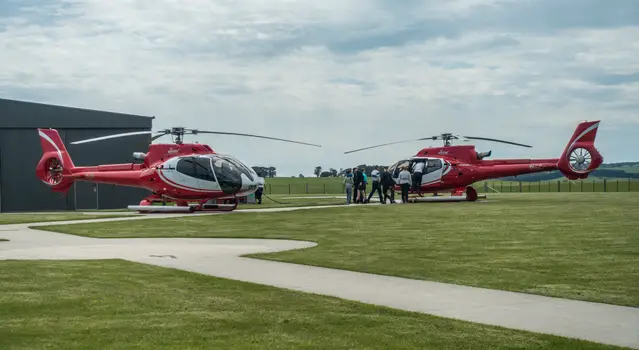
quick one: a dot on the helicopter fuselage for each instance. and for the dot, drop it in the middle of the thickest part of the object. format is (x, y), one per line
(458, 167)
(181, 172)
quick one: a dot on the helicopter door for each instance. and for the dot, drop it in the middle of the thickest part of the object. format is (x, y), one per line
(204, 174)
(432, 171)
(188, 174)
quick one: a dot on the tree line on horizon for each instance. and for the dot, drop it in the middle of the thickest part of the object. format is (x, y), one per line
(603, 171)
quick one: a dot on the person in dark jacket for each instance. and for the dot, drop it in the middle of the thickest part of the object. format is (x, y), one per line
(357, 181)
(388, 184)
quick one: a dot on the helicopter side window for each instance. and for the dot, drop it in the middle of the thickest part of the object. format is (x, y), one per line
(186, 167)
(199, 168)
(203, 169)
(433, 165)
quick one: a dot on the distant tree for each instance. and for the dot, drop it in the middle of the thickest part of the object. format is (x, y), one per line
(300, 176)
(261, 171)
(333, 172)
(318, 171)
(325, 174)
(265, 172)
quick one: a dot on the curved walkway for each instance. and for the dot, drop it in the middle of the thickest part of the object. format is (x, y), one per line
(610, 324)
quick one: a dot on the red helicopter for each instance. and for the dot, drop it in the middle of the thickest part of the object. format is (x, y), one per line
(178, 172)
(456, 168)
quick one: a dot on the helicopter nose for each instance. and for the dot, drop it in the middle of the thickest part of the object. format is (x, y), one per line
(248, 186)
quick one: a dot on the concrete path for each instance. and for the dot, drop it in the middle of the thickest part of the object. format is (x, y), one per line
(602, 323)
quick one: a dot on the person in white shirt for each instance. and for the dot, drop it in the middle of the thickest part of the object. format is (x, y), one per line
(375, 177)
(404, 181)
(418, 169)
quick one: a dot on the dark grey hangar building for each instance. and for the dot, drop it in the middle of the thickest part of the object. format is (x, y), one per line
(20, 152)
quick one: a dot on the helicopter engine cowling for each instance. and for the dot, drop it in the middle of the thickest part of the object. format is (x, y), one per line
(482, 155)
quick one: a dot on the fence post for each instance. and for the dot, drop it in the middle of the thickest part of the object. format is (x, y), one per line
(520, 190)
(289, 188)
(570, 186)
(485, 187)
(604, 185)
(558, 186)
(593, 185)
(324, 188)
(270, 190)
(307, 188)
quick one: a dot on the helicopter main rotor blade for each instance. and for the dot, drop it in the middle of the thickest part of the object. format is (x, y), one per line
(158, 136)
(385, 144)
(251, 135)
(495, 140)
(112, 136)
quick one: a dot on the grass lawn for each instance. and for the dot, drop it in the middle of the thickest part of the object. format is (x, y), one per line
(119, 304)
(581, 246)
(291, 201)
(7, 219)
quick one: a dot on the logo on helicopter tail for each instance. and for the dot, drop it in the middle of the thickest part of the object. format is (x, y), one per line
(442, 152)
(173, 150)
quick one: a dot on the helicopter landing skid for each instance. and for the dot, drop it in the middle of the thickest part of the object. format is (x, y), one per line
(463, 194)
(147, 206)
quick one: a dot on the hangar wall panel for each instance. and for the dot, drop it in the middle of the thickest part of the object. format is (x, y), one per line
(20, 151)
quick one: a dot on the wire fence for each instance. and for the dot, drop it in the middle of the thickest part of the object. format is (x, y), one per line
(607, 185)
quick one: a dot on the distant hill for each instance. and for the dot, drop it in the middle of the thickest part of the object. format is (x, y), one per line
(625, 170)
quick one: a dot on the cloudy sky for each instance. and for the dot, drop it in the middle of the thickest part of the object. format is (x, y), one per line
(342, 73)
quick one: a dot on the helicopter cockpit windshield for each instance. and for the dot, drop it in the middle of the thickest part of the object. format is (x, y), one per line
(228, 176)
(397, 167)
(228, 171)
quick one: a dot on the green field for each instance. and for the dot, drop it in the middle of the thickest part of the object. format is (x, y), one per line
(628, 169)
(581, 246)
(328, 185)
(123, 305)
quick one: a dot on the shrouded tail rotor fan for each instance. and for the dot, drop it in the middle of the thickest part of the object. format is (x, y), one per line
(53, 171)
(580, 159)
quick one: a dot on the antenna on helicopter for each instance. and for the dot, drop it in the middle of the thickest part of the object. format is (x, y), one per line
(178, 135)
(446, 137)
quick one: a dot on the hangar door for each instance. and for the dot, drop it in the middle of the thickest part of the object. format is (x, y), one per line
(0, 180)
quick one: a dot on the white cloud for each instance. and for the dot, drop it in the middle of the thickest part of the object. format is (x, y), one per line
(345, 74)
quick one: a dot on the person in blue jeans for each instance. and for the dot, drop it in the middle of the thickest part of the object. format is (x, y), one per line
(348, 185)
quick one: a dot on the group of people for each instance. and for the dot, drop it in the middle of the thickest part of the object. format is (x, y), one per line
(355, 181)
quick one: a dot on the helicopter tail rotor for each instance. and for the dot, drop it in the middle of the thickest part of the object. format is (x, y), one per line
(55, 165)
(580, 157)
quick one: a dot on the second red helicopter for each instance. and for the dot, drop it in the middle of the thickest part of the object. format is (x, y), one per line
(456, 168)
